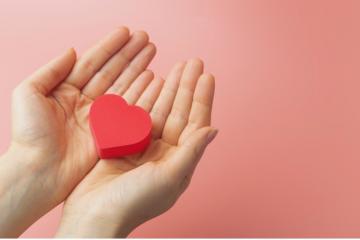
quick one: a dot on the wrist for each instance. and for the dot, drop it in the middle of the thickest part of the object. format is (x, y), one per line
(89, 224)
(22, 192)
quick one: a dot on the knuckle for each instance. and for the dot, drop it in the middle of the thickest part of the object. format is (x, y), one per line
(134, 69)
(88, 66)
(136, 94)
(124, 58)
(104, 75)
(107, 53)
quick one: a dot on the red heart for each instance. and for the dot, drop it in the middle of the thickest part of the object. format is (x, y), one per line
(118, 129)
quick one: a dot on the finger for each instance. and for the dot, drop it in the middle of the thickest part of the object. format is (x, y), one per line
(151, 93)
(97, 56)
(49, 76)
(106, 76)
(163, 104)
(179, 114)
(183, 163)
(137, 66)
(138, 87)
(200, 114)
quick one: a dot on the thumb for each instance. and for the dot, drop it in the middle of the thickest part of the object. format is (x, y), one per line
(189, 153)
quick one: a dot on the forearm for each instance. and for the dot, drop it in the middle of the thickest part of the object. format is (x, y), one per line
(23, 197)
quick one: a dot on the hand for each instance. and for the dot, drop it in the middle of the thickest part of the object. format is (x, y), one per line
(120, 194)
(50, 124)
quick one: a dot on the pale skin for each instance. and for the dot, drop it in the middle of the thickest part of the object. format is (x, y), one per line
(52, 156)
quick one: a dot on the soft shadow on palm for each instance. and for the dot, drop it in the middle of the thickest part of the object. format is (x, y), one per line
(157, 151)
(110, 170)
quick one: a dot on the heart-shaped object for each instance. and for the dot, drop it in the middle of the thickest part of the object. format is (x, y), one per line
(118, 129)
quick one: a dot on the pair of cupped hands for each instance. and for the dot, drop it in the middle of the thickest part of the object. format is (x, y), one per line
(52, 156)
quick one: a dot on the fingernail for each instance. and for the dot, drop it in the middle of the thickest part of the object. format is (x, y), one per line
(211, 135)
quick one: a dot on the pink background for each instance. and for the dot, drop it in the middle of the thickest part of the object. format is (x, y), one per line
(286, 161)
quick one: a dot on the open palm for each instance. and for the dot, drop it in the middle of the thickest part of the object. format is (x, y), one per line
(139, 187)
(50, 108)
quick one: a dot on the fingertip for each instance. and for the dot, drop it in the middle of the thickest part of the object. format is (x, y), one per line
(68, 58)
(178, 67)
(196, 61)
(208, 76)
(180, 64)
(148, 73)
(152, 46)
(150, 49)
(124, 29)
(120, 34)
(208, 79)
(141, 35)
(72, 53)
